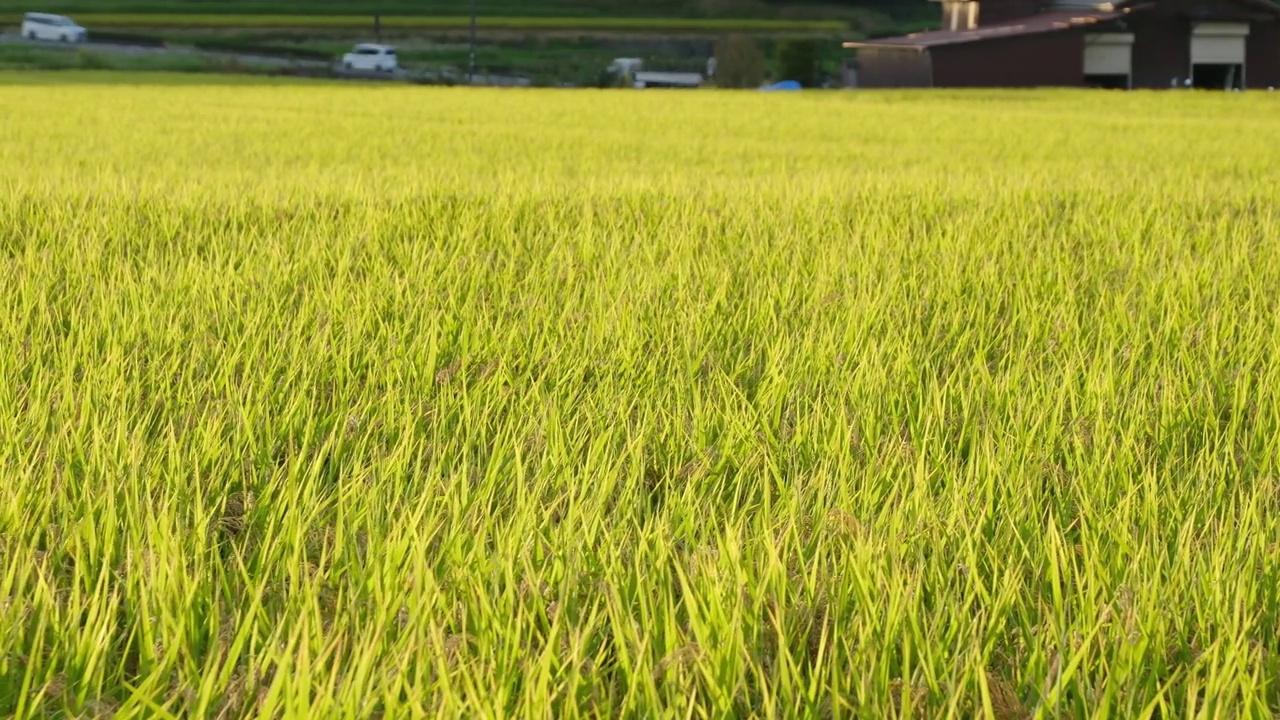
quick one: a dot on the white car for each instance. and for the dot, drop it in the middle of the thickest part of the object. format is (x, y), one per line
(43, 26)
(367, 56)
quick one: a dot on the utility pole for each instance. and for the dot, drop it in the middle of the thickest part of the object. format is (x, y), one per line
(471, 68)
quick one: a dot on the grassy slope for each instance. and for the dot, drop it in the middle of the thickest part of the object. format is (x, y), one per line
(559, 13)
(25, 57)
(555, 8)
(524, 404)
(407, 22)
(551, 8)
(143, 77)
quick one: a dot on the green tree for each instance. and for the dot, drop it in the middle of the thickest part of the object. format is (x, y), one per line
(797, 60)
(739, 63)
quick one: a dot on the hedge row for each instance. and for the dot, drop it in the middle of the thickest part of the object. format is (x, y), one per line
(243, 48)
(119, 38)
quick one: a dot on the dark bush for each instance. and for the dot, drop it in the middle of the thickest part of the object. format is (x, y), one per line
(243, 48)
(739, 63)
(797, 60)
(610, 79)
(117, 38)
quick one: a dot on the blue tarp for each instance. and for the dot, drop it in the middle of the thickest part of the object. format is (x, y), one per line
(784, 85)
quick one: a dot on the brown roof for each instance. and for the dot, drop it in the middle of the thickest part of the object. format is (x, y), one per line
(1034, 25)
(1263, 5)
(1268, 5)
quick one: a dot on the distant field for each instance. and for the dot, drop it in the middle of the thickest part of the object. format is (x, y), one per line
(341, 401)
(402, 22)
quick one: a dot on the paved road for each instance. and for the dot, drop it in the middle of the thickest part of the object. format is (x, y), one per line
(137, 50)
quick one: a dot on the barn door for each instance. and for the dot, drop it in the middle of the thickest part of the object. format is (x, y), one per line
(1108, 60)
(1218, 55)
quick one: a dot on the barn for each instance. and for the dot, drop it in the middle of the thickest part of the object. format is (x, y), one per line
(1212, 44)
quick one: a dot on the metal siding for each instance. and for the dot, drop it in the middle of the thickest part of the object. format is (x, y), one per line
(1217, 50)
(994, 12)
(1221, 29)
(1108, 54)
(1049, 60)
(1263, 66)
(1161, 51)
(1218, 43)
(893, 67)
(1200, 9)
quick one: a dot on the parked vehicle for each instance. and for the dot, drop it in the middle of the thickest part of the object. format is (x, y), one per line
(43, 26)
(632, 70)
(370, 57)
(626, 66)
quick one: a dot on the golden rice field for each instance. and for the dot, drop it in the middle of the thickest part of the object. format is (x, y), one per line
(325, 400)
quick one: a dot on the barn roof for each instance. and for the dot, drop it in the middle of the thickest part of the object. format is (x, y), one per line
(1034, 25)
(1270, 6)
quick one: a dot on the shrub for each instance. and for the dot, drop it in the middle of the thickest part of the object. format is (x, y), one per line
(797, 60)
(118, 38)
(739, 63)
(610, 78)
(243, 48)
(92, 61)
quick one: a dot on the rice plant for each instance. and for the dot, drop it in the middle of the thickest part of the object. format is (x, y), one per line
(328, 401)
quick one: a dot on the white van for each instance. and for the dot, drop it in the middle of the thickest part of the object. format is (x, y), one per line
(367, 56)
(43, 26)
